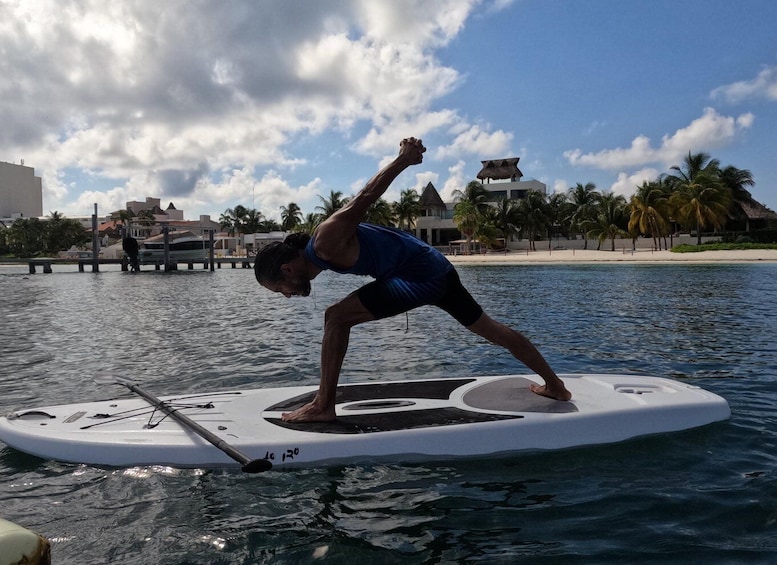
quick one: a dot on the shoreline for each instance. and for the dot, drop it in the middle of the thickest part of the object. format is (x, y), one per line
(585, 256)
(639, 256)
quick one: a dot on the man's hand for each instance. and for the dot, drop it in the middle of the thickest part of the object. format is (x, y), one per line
(412, 150)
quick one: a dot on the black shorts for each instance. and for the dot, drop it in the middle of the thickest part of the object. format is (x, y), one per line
(385, 298)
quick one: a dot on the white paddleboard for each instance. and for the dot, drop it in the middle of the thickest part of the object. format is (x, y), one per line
(399, 421)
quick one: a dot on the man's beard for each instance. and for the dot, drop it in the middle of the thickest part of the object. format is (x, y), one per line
(302, 287)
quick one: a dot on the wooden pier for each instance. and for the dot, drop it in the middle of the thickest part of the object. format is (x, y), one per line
(46, 264)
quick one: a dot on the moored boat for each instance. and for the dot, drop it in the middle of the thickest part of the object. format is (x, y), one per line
(182, 246)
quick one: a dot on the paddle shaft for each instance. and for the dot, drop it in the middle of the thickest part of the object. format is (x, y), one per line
(249, 465)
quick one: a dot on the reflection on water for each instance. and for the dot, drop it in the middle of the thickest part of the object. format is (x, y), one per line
(704, 495)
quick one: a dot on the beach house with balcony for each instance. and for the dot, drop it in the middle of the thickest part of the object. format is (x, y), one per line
(501, 177)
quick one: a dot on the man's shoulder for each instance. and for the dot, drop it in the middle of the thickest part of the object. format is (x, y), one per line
(330, 242)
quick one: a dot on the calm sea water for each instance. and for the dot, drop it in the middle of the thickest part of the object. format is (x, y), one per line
(702, 496)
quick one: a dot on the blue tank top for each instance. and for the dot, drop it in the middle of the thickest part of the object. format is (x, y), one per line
(387, 252)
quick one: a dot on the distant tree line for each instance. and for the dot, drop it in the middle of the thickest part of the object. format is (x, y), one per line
(398, 214)
(698, 195)
(28, 237)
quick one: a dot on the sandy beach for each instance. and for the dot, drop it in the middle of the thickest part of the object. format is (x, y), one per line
(583, 256)
(639, 256)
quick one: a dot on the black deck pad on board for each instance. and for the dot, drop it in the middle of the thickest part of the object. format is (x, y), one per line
(392, 421)
(440, 389)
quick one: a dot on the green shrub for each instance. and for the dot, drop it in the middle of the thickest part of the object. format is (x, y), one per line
(685, 248)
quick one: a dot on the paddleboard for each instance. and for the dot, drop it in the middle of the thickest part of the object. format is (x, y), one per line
(399, 421)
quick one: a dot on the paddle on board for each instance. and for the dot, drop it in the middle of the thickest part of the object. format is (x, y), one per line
(248, 465)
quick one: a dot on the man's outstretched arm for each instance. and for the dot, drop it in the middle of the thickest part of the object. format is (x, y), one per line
(335, 235)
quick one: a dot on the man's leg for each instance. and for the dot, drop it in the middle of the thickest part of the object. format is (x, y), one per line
(523, 350)
(338, 321)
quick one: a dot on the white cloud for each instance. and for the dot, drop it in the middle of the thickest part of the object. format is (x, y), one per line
(762, 86)
(383, 140)
(106, 201)
(240, 186)
(408, 21)
(638, 153)
(456, 181)
(475, 140)
(594, 126)
(498, 5)
(560, 185)
(707, 132)
(710, 131)
(129, 90)
(627, 184)
(424, 178)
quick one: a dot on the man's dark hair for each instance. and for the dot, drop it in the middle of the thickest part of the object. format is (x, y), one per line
(267, 267)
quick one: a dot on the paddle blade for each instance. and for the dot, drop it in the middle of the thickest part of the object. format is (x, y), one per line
(257, 466)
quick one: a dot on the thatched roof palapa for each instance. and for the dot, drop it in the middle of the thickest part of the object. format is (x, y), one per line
(500, 169)
(754, 210)
(430, 198)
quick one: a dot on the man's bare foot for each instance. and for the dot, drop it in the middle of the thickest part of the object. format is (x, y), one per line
(310, 413)
(560, 393)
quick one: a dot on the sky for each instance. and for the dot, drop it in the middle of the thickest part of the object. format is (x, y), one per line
(215, 103)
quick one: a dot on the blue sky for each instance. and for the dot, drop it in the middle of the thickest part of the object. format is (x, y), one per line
(261, 103)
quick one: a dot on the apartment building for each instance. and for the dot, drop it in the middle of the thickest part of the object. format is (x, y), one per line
(21, 192)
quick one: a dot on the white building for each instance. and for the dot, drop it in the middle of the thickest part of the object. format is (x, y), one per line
(21, 192)
(255, 242)
(501, 177)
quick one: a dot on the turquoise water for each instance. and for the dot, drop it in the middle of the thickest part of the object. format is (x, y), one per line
(707, 495)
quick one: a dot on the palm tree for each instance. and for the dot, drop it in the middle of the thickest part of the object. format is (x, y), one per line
(51, 231)
(332, 204)
(227, 223)
(60, 233)
(699, 196)
(487, 232)
(475, 193)
(561, 211)
(232, 219)
(650, 211)
(25, 237)
(467, 218)
(291, 217)
(535, 216)
(3, 239)
(507, 218)
(380, 213)
(309, 224)
(407, 209)
(585, 199)
(122, 217)
(146, 220)
(252, 221)
(610, 221)
(736, 180)
(266, 225)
